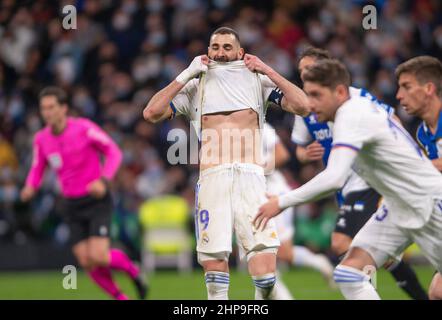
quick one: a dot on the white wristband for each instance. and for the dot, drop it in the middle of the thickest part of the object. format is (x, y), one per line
(183, 77)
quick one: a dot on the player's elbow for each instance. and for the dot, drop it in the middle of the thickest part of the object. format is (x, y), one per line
(337, 182)
(151, 113)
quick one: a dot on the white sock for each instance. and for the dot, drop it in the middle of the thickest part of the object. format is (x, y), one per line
(264, 285)
(354, 284)
(280, 290)
(303, 257)
(217, 284)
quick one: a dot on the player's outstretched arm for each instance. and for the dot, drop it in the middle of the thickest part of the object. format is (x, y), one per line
(158, 108)
(328, 181)
(294, 100)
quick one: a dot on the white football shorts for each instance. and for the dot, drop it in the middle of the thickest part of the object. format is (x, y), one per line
(227, 199)
(382, 239)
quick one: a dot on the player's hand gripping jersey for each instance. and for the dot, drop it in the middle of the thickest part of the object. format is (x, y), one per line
(226, 86)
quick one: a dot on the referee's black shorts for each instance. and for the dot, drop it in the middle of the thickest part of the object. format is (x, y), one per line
(357, 208)
(88, 216)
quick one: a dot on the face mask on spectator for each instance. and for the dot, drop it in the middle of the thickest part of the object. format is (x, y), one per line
(386, 86)
(121, 21)
(317, 34)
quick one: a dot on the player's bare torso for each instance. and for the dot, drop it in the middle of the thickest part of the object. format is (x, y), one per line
(229, 137)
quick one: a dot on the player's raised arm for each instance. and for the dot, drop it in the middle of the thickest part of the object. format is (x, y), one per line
(294, 100)
(158, 108)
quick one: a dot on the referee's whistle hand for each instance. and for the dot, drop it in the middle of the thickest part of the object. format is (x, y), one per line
(267, 211)
(27, 193)
(97, 188)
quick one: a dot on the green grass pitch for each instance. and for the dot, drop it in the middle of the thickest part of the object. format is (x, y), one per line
(304, 284)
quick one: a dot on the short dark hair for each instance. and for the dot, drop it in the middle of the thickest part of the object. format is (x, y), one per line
(58, 93)
(314, 52)
(328, 73)
(226, 30)
(425, 69)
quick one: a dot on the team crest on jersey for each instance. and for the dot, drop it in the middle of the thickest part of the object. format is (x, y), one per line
(205, 238)
(55, 161)
(312, 119)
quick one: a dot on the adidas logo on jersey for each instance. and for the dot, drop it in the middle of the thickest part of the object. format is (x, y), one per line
(341, 223)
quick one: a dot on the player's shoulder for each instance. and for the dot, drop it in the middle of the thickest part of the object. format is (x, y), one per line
(354, 92)
(356, 112)
(81, 122)
(42, 134)
(355, 106)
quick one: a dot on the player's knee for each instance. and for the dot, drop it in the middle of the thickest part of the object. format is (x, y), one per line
(98, 259)
(261, 263)
(83, 261)
(434, 294)
(435, 291)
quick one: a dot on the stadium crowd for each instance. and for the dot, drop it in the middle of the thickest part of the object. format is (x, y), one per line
(124, 51)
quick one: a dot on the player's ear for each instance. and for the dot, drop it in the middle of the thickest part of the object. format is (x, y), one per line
(241, 53)
(430, 88)
(341, 91)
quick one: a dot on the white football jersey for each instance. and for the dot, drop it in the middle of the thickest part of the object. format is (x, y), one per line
(276, 183)
(389, 160)
(225, 87)
(301, 135)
